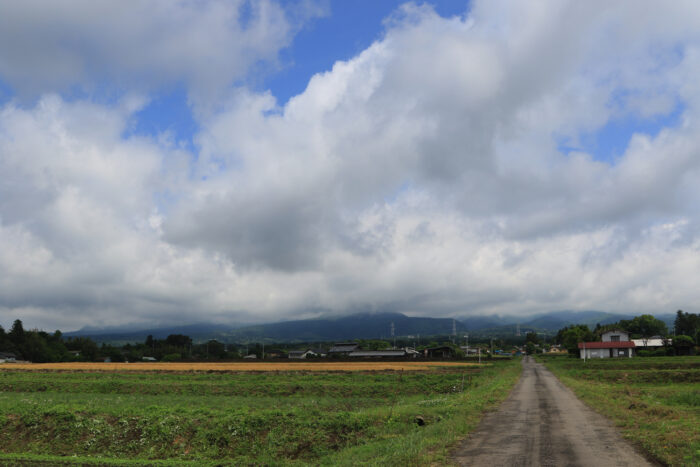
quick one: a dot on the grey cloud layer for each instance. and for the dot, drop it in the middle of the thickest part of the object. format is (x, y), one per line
(142, 46)
(421, 176)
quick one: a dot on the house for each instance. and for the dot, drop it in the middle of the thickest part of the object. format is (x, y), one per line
(343, 349)
(321, 352)
(616, 335)
(606, 349)
(613, 344)
(444, 351)
(301, 354)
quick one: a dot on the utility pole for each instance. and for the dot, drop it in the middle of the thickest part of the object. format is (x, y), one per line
(393, 337)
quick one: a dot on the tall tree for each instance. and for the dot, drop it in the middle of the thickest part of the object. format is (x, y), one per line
(687, 324)
(17, 333)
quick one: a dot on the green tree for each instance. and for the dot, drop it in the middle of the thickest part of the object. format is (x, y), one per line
(570, 336)
(687, 324)
(532, 337)
(216, 349)
(530, 348)
(16, 334)
(178, 340)
(87, 347)
(683, 344)
(644, 326)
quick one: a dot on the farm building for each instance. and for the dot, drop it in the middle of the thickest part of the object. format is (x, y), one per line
(343, 348)
(469, 350)
(8, 357)
(301, 354)
(653, 342)
(398, 353)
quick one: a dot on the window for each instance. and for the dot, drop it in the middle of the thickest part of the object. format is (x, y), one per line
(614, 338)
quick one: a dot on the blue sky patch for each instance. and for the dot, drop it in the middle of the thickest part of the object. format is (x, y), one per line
(610, 142)
(351, 27)
(166, 112)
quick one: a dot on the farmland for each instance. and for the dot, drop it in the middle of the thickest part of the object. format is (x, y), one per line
(655, 402)
(376, 414)
(233, 366)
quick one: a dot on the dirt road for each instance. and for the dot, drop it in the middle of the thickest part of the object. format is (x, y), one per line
(542, 423)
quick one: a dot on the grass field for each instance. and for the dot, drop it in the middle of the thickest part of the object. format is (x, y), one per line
(256, 417)
(233, 366)
(654, 401)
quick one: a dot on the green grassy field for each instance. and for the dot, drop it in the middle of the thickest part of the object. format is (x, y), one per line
(275, 418)
(655, 401)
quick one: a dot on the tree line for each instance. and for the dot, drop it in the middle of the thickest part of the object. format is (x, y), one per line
(43, 347)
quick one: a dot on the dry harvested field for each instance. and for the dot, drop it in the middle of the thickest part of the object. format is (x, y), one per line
(234, 366)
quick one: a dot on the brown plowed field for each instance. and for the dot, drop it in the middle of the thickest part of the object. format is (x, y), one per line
(233, 366)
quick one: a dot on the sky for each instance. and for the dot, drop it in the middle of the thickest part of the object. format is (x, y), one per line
(250, 161)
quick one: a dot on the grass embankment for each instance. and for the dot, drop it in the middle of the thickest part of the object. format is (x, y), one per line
(272, 418)
(654, 401)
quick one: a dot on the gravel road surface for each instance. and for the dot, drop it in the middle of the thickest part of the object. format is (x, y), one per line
(542, 423)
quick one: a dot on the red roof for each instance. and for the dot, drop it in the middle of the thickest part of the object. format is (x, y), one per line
(606, 345)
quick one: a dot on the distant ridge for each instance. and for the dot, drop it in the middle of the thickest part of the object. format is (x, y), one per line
(357, 326)
(369, 325)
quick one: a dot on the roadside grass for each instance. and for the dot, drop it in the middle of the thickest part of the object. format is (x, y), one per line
(654, 401)
(282, 418)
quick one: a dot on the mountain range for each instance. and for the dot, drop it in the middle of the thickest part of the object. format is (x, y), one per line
(375, 325)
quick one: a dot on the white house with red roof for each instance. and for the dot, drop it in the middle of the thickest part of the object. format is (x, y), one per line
(614, 344)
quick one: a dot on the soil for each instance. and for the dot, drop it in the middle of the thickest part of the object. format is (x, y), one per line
(542, 423)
